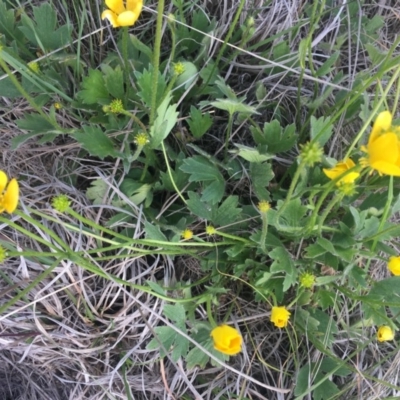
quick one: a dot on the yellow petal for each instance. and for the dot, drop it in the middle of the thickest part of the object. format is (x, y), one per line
(135, 6)
(226, 339)
(382, 123)
(349, 163)
(127, 18)
(384, 148)
(3, 181)
(385, 168)
(117, 6)
(11, 196)
(112, 17)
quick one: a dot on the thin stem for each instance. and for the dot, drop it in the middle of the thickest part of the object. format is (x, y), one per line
(209, 313)
(24, 93)
(228, 132)
(156, 59)
(264, 219)
(125, 59)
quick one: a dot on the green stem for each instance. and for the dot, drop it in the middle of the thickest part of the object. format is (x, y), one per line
(264, 219)
(136, 119)
(170, 173)
(228, 134)
(336, 199)
(125, 35)
(233, 237)
(290, 191)
(226, 40)
(209, 312)
(156, 59)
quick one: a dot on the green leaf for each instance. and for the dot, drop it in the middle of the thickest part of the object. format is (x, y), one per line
(94, 89)
(325, 68)
(42, 30)
(35, 123)
(189, 75)
(176, 313)
(227, 212)
(142, 193)
(198, 207)
(261, 175)
(321, 129)
(292, 218)
(165, 337)
(153, 232)
(97, 191)
(96, 142)
(327, 390)
(7, 23)
(199, 123)
(167, 116)
(196, 357)
(283, 263)
(156, 287)
(276, 139)
(145, 83)
(234, 105)
(202, 170)
(139, 45)
(250, 154)
(114, 81)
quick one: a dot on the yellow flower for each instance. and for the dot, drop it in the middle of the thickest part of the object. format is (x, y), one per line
(385, 333)
(280, 316)
(341, 168)
(9, 194)
(120, 14)
(187, 234)
(210, 230)
(227, 340)
(383, 148)
(394, 265)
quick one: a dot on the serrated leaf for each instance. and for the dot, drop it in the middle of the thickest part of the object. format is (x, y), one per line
(35, 123)
(321, 129)
(153, 232)
(167, 116)
(7, 23)
(42, 29)
(97, 191)
(165, 337)
(141, 194)
(277, 139)
(227, 212)
(196, 357)
(292, 218)
(261, 175)
(114, 81)
(198, 122)
(96, 142)
(198, 207)
(145, 82)
(200, 169)
(283, 263)
(327, 390)
(213, 192)
(176, 313)
(94, 89)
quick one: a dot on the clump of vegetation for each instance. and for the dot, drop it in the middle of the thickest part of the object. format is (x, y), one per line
(220, 205)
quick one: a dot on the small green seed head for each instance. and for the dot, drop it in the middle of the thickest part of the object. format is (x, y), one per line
(141, 139)
(61, 203)
(311, 153)
(307, 280)
(116, 106)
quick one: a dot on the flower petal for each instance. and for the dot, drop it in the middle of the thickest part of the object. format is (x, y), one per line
(127, 18)
(226, 339)
(3, 181)
(386, 168)
(384, 148)
(117, 6)
(10, 199)
(112, 17)
(135, 6)
(382, 123)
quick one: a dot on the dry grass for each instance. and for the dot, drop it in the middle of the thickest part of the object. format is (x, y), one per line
(79, 336)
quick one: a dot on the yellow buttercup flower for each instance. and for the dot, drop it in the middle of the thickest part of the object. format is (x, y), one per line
(385, 333)
(383, 148)
(9, 194)
(394, 265)
(227, 340)
(340, 169)
(280, 316)
(120, 14)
